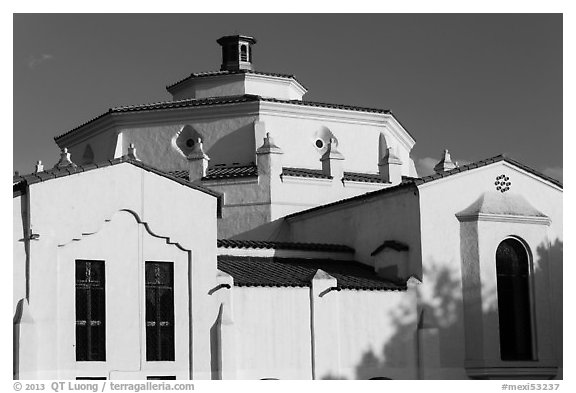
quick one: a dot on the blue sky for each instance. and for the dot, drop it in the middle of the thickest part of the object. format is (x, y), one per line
(476, 84)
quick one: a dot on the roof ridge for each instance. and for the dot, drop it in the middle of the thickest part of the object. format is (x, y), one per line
(151, 106)
(426, 179)
(53, 173)
(484, 162)
(277, 245)
(299, 272)
(327, 104)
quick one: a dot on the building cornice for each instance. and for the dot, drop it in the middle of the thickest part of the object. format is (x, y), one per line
(505, 218)
(340, 115)
(306, 180)
(152, 117)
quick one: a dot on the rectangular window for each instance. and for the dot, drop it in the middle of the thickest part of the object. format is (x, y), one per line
(161, 377)
(159, 311)
(90, 311)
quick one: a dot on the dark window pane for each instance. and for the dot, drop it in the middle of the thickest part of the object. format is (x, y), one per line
(159, 311)
(90, 311)
(166, 306)
(151, 343)
(161, 377)
(80, 271)
(150, 304)
(167, 342)
(513, 301)
(81, 343)
(81, 304)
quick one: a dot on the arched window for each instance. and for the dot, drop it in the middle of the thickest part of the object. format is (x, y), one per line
(512, 271)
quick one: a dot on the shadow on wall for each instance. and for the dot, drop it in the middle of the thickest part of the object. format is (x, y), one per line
(234, 148)
(277, 230)
(439, 313)
(555, 273)
(438, 338)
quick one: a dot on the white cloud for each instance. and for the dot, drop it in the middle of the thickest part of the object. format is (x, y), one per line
(425, 166)
(554, 172)
(35, 61)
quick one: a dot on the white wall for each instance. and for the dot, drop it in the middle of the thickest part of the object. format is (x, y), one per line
(294, 130)
(225, 141)
(358, 334)
(273, 332)
(366, 225)
(446, 251)
(19, 210)
(65, 210)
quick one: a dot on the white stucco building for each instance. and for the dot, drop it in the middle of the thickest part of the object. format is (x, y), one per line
(242, 232)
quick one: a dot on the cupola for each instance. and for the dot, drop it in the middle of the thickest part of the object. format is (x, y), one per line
(236, 52)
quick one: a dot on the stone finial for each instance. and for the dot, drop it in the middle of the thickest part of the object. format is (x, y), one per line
(390, 167)
(64, 161)
(332, 161)
(445, 164)
(268, 147)
(132, 153)
(39, 167)
(197, 162)
(197, 152)
(390, 158)
(331, 152)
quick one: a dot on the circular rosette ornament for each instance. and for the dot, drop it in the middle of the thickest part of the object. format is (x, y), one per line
(502, 183)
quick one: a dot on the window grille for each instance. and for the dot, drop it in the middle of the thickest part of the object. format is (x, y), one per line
(159, 311)
(90, 311)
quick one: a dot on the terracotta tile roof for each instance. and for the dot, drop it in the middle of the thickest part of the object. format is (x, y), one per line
(327, 105)
(20, 182)
(363, 177)
(188, 103)
(317, 173)
(304, 172)
(485, 162)
(227, 243)
(222, 172)
(298, 272)
(196, 75)
(228, 172)
(180, 174)
(414, 182)
(168, 105)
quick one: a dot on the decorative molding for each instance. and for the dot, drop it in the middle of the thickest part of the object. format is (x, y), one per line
(305, 180)
(505, 218)
(373, 186)
(512, 372)
(230, 182)
(108, 220)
